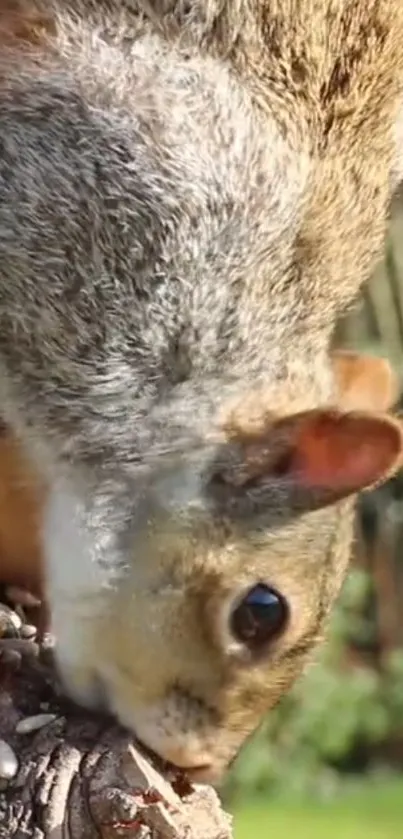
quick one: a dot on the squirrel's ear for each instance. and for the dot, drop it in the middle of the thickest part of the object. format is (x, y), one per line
(317, 458)
(363, 382)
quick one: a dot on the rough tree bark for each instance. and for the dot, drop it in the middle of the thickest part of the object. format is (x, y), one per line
(79, 776)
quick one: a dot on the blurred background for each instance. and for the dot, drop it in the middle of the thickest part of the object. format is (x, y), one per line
(328, 761)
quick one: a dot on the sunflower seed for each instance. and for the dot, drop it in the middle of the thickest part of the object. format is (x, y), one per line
(28, 631)
(23, 597)
(8, 761)
(10, 622)
(34, 723)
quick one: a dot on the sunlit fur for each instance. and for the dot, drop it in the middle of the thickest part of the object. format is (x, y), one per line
(189, 193)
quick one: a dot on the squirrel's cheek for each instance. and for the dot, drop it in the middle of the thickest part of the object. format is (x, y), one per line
(80, 681)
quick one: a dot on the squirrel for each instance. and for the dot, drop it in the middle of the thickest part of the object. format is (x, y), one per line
(189, 194)
(360, 380)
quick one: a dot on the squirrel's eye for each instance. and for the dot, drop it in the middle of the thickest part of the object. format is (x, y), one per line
(259, 617)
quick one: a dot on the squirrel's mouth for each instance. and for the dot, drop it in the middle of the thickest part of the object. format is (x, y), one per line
(162, 755)
(180, 775)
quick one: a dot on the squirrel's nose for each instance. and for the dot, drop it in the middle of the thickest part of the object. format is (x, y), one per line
(208, 773)
(188, 760)
(196, 765)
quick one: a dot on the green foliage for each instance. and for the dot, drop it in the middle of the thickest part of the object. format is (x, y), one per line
(334, 715)
(374, 811)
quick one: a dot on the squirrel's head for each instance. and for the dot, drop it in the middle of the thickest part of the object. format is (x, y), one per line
(236, 561)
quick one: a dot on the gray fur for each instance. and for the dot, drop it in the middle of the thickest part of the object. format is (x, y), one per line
(142, 198)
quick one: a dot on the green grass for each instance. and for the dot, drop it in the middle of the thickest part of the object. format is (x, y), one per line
(375, 814)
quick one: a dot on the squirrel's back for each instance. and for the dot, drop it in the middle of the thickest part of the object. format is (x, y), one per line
(167, 216)
(156, 210)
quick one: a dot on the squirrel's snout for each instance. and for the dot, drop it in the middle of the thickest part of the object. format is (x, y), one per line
(208, 774)
(176, 738)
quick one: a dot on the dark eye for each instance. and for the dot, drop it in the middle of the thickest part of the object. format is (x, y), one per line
(259, 617)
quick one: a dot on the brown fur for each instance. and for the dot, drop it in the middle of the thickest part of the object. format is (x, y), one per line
(21, 501)
(23, 24)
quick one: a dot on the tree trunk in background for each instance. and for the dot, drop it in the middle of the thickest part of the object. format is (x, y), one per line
(375, 325)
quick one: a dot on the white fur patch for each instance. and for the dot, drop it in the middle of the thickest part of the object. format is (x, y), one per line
(74, 587)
